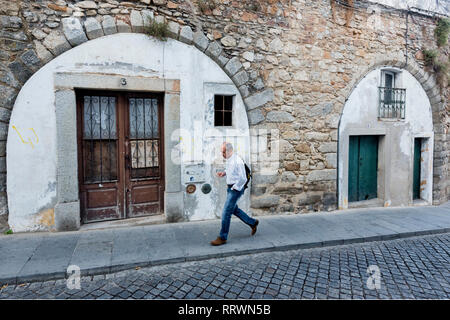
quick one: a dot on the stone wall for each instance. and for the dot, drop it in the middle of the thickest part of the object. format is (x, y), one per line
(294, 62)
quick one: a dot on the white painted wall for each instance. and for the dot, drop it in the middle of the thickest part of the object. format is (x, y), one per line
(440, 6)
(360, 117)
(31, 172)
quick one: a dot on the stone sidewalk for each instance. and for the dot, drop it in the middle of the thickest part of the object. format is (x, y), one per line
(45, 256)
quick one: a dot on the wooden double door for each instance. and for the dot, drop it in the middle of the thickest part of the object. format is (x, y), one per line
(120, 155)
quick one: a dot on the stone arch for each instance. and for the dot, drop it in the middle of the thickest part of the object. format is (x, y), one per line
(64, 91)
(438, 104)
(74, 33)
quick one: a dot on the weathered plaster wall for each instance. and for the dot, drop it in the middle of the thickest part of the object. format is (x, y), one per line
(32, 163)
(360, 117)
(439, 6)
(295, 64)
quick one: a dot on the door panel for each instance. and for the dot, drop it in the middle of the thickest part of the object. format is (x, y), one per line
(120, 155)
(98, 140)
(144, 169)
(416, 177)
(101, 198)
(368, 166)
(363, 168)
(353, 161)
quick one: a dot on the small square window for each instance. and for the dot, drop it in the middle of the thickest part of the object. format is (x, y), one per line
(223, 111)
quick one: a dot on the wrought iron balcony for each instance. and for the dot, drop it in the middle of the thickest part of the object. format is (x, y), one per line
(392, 103)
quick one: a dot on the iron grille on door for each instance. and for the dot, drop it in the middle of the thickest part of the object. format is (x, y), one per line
(144, 138)
(99, 139)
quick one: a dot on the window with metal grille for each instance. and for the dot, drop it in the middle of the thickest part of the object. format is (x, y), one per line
(223, 111)
(392, 99)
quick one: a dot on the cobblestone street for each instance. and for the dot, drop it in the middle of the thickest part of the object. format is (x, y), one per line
(414, 268)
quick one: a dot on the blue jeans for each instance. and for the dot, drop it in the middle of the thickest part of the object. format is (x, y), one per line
(232, 208)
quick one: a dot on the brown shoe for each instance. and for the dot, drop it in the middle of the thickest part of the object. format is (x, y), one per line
(254, 228)
(218, 242)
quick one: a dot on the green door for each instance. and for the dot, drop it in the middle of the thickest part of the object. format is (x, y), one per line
(363, 167)
(416, 178)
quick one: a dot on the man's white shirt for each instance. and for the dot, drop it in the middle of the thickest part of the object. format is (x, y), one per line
(235, 172)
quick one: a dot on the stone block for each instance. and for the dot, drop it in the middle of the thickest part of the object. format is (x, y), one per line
(186, 35)
(147, 17)
(3, 131)
(331, 159)
(214, 50)
(2, 148)
(67, 216)
(255, 117)
(93, 28)
(276, 45)
(321, 175)
(279, 116)
(244, 91)
(327, 147)
(137, 23)
(233, 66)
(86, 5)
(5, 114)
(288, 176)
(10, 22)
(329, 199)
(160, 19)
(316, 136)
(73, 30)
(122, 26)
(31, 60)
(259, 99)
(21, 73)
(240, 78)
(258, 191)
(7, 96)
(292, 166)
(249, 56)
(109, 25)
(303, 147)
(228, 41)
(174, 29)
(265, 201)
(200, 41)
(43, 54)
(320, 110)
(264, 179)
(56, 43)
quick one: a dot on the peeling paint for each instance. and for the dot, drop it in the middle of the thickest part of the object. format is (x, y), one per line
(117, 65)
(46, 218)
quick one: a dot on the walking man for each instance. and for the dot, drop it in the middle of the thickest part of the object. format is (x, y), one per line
(236, 179)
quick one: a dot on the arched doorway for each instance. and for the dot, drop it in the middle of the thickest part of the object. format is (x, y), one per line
(386, 140)
(43, 150)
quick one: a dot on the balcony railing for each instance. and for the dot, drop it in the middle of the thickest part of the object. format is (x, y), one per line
(392, 103)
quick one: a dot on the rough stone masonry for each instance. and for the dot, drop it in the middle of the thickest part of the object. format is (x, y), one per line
(295, 62)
